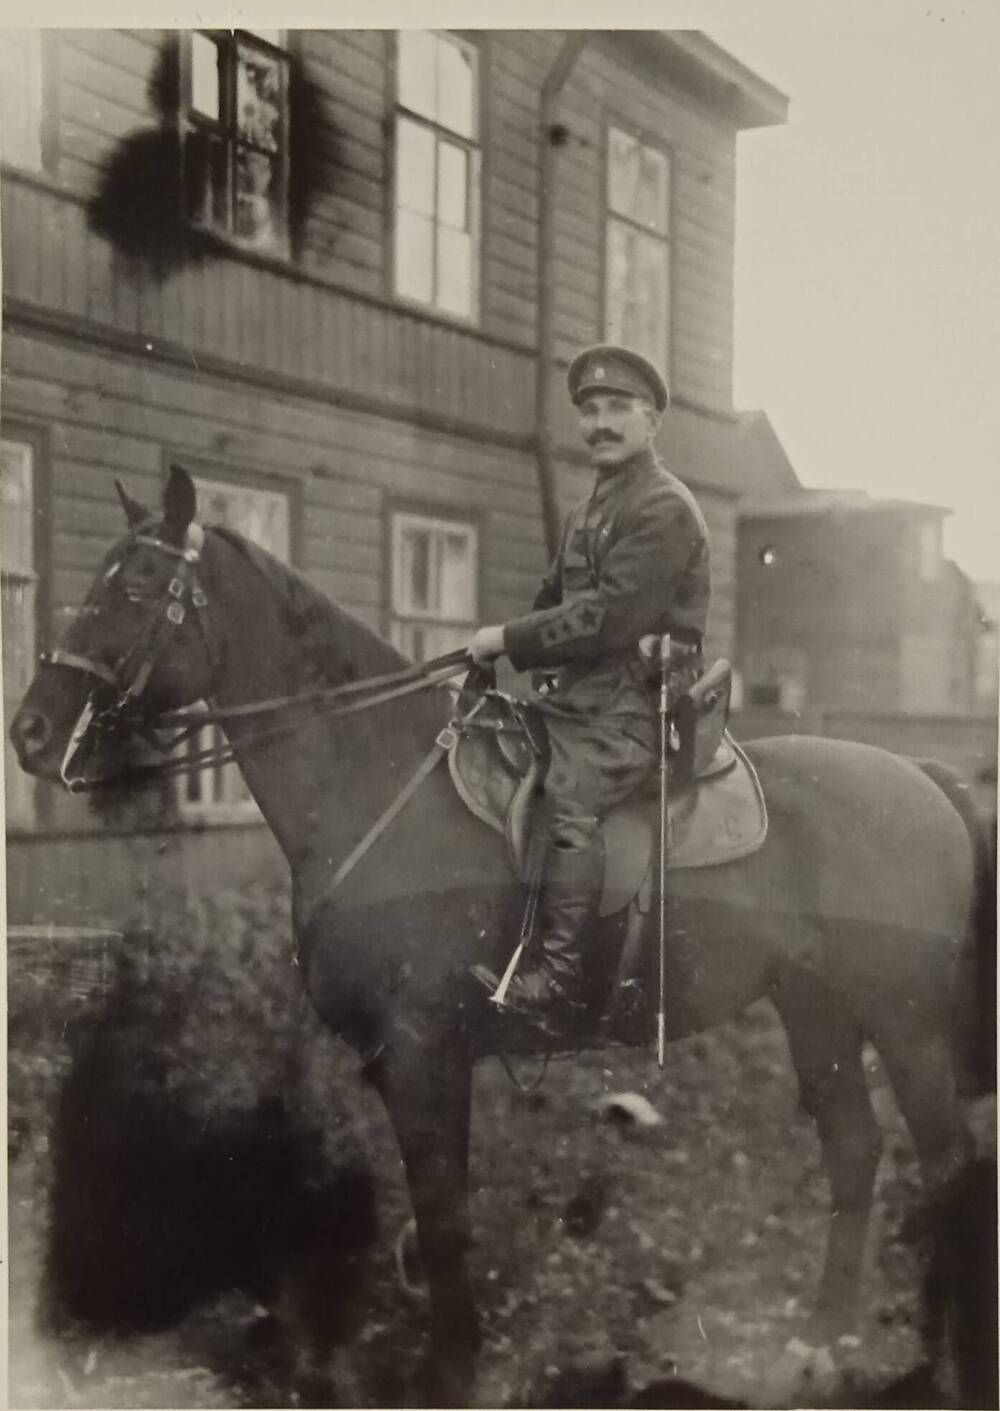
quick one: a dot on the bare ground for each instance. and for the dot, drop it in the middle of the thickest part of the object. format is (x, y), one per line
(692, 1247)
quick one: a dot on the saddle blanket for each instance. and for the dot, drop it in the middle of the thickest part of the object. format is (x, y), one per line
(717, 818)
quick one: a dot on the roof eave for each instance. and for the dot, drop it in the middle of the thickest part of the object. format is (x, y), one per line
(703, 68)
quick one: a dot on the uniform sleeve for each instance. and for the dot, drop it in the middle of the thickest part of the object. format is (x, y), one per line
(550, 593)
(639, 574)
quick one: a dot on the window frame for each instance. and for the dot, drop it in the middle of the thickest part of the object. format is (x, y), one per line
(225, 128)
(446, 518)
(664, 358)
(215, 812)
(475, 146)
(40, 55)
(13, 428)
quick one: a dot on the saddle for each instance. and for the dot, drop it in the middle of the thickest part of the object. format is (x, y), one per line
(716, 810)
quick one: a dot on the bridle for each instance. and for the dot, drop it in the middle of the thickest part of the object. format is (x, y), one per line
(131, 674)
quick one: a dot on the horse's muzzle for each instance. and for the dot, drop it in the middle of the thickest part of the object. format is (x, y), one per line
(31, 735)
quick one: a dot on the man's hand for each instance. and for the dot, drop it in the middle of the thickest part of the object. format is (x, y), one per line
(486, 644)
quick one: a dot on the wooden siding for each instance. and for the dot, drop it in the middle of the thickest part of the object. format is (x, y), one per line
(345, 237)
(103, 78)
(108, 415)
(263, 318)
(703, 161)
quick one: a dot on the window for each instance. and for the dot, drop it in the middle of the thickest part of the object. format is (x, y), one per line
(437, 172)
(637, 255)
(219, 794)
(18, 587)
(434, 584)
(235, 88)
(21, 97)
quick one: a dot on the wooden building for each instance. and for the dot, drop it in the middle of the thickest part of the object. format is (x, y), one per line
(848, 603)
(391, 244)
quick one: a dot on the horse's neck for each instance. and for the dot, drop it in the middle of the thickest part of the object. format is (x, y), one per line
(320, 784)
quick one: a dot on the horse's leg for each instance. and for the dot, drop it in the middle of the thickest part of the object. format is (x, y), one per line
(916, 1047)
(427, 1095)
(826, 1048)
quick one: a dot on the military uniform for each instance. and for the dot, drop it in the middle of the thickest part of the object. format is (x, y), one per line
(633, 560)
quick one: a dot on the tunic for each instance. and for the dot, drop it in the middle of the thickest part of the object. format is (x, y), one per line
(633, 559)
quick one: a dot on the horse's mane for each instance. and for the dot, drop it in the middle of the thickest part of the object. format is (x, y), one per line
(337, 645)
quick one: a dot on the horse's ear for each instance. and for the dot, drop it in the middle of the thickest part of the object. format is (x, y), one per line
(180, 504)
(135, 513)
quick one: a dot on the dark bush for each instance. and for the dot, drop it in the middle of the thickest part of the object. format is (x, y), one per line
(189, 1154)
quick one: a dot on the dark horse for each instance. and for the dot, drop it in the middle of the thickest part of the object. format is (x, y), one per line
(852, 919)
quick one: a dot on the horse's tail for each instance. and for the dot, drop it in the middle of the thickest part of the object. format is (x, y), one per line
(978, 995)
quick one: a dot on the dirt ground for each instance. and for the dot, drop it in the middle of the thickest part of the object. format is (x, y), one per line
(693, 1246)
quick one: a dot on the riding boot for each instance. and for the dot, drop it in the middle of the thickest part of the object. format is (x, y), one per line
(548, 995)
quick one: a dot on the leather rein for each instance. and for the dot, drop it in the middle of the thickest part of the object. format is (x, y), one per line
(132, 673)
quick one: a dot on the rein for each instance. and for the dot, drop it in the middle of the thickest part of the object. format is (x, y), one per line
(133, 671)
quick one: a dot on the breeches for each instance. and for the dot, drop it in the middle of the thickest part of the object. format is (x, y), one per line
(593, 766)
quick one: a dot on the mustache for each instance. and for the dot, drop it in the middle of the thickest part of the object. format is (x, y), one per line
(600, 436)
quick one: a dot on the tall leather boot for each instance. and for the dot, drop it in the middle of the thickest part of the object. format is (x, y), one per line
(548, 995)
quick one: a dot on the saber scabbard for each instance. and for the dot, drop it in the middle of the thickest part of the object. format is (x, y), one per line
(664, 831)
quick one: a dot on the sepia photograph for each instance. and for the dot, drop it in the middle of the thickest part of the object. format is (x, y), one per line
(500, 648)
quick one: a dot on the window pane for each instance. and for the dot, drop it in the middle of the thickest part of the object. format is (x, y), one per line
(457, 583)
(456, 87)
(258, 98)
(638, 181)
(415, 167)
(415, 70)
(433, 568)
(206, 178)
(414, 256)
(620, 240)
(453, 201)
(652, 196)
(652, 301)
(205, 76)
(256, 217)
(454, 271)
(413, 577)
(21, 97)
(17, 550)
(623, 171)
(637, 297)
(258, 514)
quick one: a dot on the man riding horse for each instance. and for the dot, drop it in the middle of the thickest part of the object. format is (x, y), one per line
(633, 561)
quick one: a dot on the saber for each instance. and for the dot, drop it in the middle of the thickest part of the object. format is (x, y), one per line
(664, 828)
(499, 996)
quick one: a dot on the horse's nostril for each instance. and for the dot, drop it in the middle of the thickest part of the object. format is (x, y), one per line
(32, 732)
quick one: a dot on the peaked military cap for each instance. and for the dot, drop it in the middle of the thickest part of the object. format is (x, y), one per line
(607, 367)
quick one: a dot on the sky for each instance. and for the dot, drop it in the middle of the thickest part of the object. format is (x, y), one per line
(868, 254)
(868, 226)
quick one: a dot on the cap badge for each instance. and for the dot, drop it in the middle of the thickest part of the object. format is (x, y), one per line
(599, 373)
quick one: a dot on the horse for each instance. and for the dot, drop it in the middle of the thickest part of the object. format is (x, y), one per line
(852, 918)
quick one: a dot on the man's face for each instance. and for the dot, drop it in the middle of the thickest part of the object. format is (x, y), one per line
(615, 426)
